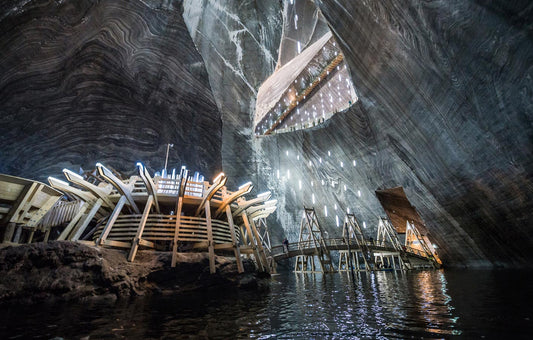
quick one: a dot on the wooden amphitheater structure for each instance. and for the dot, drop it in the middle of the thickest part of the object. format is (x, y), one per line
(161, 213)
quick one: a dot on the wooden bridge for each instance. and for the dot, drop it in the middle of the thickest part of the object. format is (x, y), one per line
(355, 251)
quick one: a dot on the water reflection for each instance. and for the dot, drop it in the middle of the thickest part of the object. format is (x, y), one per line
(381, 305)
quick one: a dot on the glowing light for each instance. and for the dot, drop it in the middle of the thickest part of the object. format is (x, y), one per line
(300, 184)
(347, 210)
(337, 220)
(359, 193)
(313, 198)
(342, 165)
(287, 152)
(219, 176)
(277, 173)
(335, 206)
(329, 153)
(345, 187)
(320, 160)
(245, 184)
(323, 182)
(264, 194)
(288, 174)
(354, 163)
(326, 211)
(364, 224)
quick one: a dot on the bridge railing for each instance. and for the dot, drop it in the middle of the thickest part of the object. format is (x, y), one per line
(341, 242)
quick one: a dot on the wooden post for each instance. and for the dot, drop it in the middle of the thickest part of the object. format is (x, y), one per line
(10, 230)
(64, 234)
(83, 225)
(18, 233)
(252, 243)
(176, 232)
(112, 220)
(259, 245)
(47, 234)
(210, 242)
(236, 249)
(140, 229)
(30, 238)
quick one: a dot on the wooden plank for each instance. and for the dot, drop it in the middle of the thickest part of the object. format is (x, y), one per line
(259, 244)
(83, 225)
(252, 243)
(111, 221)
(140, 229)
(176, 232)
(64, 234)
(211, 249)
(118, 244)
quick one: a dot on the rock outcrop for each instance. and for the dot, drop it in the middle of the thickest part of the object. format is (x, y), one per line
(69, 271)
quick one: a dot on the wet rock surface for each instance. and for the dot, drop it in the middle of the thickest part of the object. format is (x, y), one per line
(68, 271)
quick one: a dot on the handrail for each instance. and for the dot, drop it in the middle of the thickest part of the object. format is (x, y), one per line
(339, 242)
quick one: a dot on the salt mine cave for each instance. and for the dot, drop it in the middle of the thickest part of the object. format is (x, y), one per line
(339, 169)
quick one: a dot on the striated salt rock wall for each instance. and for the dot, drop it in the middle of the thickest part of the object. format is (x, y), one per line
(102, 81)
(238, 41)
(445, 112)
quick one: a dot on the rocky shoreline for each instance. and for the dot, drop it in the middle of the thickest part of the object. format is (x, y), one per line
(70, 271)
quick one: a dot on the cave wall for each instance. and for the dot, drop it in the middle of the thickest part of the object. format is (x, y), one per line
(445, 112)
(238, 41)
(445, 107)
(102, 81)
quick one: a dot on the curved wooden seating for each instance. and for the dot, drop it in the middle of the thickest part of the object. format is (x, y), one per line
(160, 227)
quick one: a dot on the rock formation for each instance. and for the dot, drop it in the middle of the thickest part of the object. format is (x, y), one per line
(67, 271)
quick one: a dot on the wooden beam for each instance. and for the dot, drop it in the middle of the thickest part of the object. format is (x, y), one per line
(122, 188)
(83, 225)
(236, 250)
(176, 232)
(259, 244)
(64, 234)
(111, 221)
(140, 229)
(252, 243)
(210, 246)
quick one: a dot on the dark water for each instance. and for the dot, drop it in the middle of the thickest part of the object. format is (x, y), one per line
(425, 304)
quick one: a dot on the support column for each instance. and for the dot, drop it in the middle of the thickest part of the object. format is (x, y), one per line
(30, 238)
(259, 245)
(140, 229)
(10, 231)
(176, 232)
(64, 234)
(111, 221)
(252, 243)
(236, 249)
(78, 231)
(210, 244)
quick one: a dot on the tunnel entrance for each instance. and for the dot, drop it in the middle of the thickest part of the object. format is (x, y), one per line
(311, 82)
